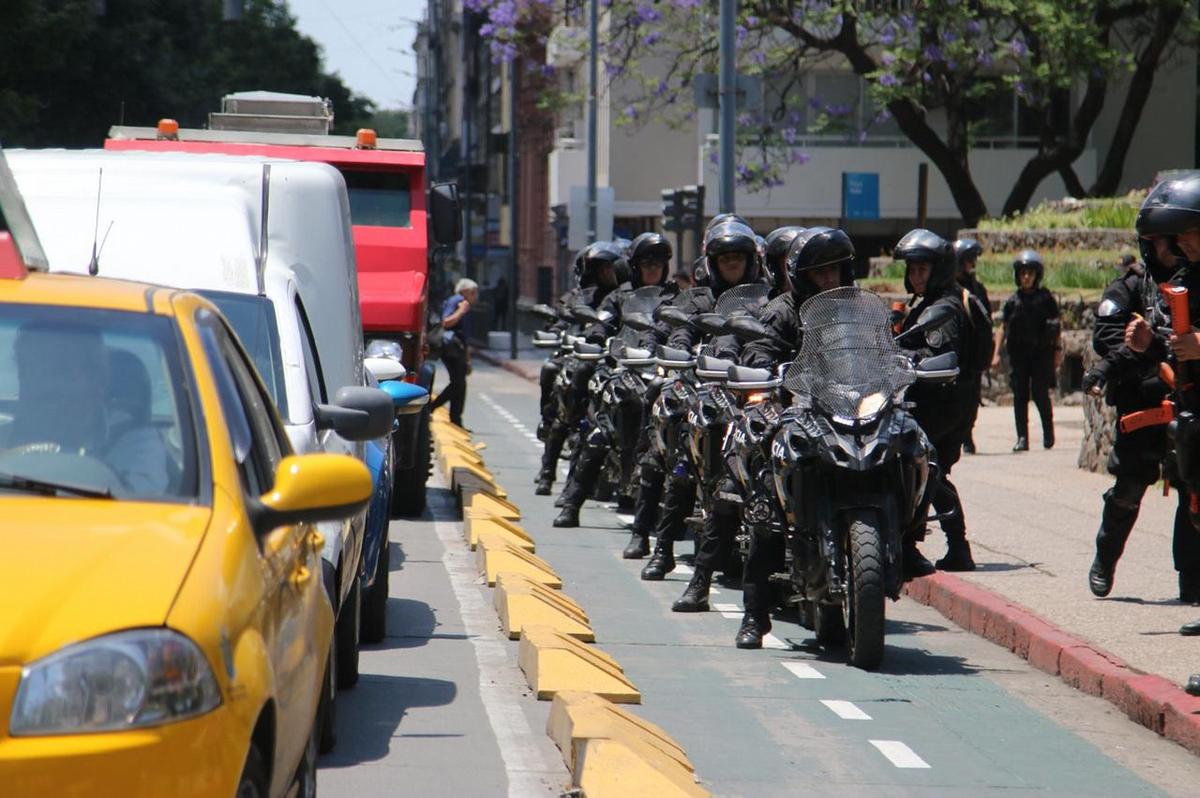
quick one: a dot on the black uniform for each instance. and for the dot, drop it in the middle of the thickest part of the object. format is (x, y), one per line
(1031, 339)
(975, 289)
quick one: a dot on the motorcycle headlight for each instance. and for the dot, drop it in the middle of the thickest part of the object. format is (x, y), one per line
(128, 680)
(381, 347)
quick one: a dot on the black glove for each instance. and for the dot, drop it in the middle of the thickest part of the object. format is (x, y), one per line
(1094, 381)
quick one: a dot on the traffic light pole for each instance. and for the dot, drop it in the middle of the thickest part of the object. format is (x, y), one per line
(593, 78)
(514, 287)
(727, 100)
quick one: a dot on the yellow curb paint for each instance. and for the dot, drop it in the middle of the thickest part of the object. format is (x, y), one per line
(608, 768)
(521, 602)
(553, 661)
(495, 555)
(500, 508)
(474, 526)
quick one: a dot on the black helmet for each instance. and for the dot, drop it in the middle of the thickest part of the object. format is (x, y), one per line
(777, 243)
(649, 246)
(722, 218)
(923, 246)
(577, 266)
(1157, 217)
(603, 252)
(817, 247)
(966, 249)
(1173, 207)
(730, 237)
(1028, 259)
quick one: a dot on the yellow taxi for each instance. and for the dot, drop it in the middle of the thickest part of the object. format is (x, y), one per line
(163, 625)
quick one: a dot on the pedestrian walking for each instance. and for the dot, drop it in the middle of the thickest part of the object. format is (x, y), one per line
(1032, 333)
(456, 332)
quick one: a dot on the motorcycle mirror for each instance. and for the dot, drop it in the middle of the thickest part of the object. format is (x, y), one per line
(585, 313)
(712, 323)
(544, 312)
(638, 321)
(671, 315)
(747, 328)
(939, 368)
(934, 317)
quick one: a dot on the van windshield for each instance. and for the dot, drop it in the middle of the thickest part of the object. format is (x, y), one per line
(253, 319)
(378, 199)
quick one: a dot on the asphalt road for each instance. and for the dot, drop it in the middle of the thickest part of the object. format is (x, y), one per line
(442, 708)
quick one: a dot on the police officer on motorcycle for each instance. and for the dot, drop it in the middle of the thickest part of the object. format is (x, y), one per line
(650, 258)
(730, 259)
(943, 411)
(966, 255)
(818, 259)
(598, 272)
(1130, 382)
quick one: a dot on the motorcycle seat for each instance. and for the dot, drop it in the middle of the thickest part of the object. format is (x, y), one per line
(586, 349)
(543, 335)
(672, 355)
(713, 368)
(633, 353)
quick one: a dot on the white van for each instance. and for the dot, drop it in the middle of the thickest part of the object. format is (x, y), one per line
(195, 221)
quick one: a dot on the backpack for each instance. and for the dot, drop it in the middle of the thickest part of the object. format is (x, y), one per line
(980, 345)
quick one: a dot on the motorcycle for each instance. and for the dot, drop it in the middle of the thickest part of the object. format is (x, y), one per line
(853, 472)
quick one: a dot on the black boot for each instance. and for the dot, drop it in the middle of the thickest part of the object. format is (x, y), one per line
(969, 445)
(568, 518)
(1189, 587)
(695, 597)
(637, 548)
(662, 561)
(913, 562)
(1193, 684)
(1048, 436)
(544, 485)
(1100, 578)
(958, 556)
(1022, 444)
(750, 633)
(1190, 629)
(625, 504)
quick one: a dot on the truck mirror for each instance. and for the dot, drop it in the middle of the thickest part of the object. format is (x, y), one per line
(446, 213)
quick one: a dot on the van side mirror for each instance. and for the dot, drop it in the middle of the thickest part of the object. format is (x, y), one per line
(357, 413)
(445, 213)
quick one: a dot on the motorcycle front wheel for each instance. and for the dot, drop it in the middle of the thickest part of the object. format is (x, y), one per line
(863, 605)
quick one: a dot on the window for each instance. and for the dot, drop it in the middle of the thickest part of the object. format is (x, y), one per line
(253, 319)
(379, 199)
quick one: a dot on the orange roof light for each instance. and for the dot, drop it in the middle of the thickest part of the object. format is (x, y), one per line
(168, 130)
(365, 140)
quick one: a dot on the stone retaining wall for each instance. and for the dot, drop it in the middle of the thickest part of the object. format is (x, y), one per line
(1114, 239)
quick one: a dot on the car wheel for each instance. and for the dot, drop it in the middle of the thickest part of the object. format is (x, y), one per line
(374, 620)
(254, 782)
(346, 638)
(306, 773)
(327, 709)
(408, 487)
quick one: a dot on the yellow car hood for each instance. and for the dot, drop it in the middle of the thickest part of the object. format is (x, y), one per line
(71, 569)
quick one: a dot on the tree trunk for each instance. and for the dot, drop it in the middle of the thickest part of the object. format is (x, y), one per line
(1138, 92)
(1072, 182)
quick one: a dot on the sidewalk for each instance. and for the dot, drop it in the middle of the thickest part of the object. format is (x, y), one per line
(528, 364)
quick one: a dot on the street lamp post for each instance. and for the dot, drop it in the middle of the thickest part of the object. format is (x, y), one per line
(727, 91)
(593, 79)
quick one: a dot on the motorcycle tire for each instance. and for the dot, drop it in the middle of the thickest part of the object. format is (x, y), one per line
(408, 484)
(865, 595)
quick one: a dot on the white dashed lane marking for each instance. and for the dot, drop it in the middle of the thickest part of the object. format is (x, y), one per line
(728, 610)
(846, 710)
(771, 641)
(899, 754)
(801, 670)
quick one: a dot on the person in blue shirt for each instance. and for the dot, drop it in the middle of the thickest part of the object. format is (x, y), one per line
(456, 331)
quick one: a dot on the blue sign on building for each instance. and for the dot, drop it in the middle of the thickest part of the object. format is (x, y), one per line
(860, 195)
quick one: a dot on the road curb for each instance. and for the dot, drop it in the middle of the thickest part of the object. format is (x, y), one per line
(508, 365)
(1148, 699)
(619, 757)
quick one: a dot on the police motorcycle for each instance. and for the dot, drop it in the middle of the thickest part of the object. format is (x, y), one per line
(852, 471)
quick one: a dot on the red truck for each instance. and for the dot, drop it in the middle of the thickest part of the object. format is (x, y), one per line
(392, 227)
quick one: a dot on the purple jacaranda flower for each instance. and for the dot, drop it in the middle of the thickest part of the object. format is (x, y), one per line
(648, 13)
(714, 158)
(926, 77)
(881, 117)
(752, 21)
(815, 103)
(486, 30)
(838, 110)
(475, 5)
(887, 59)
(795, 117)
(686, 4)
(745, 120)
(741, 33)
(973, 27)
(888, 34)
(662, 88)
(789, 135)
(932, 53)
(888, 79)
(949, 37)
(611, 69)
(652, 38)
(907, 23)
(952, 65)
(759, 57)
(1018, 48)
(743, 171)
(630, 112)
(503, 14)
(984, 59)
(1020, 89)
(796, 156)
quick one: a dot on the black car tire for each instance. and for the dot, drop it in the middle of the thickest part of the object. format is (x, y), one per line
(327, 708)
(254, 782)
(346, 638)
(374, 611)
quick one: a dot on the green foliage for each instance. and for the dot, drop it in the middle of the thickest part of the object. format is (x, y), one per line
(1110, 212)
(1074, 270)
(66, 75)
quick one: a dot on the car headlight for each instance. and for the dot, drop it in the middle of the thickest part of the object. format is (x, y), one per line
(128, 680)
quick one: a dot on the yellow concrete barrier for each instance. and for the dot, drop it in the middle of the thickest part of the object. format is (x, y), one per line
(467, 480)
(553, 661)
(612, 752)
(521, 602)
(476, 524)
(501, 508)
(495, 555)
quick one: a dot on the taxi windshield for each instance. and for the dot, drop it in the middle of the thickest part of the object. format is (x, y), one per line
(94, 403)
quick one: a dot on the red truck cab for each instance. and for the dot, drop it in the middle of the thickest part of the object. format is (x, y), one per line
(385, 182)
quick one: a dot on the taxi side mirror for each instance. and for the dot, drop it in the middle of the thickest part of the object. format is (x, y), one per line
(311, 488)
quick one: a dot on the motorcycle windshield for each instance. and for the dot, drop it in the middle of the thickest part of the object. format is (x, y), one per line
(848, 363)
(642, 300)
(743, 299)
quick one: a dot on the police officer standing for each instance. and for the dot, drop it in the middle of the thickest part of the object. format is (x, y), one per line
(1031, 331)
(818, 259)
(966, 255)
(943, 411)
